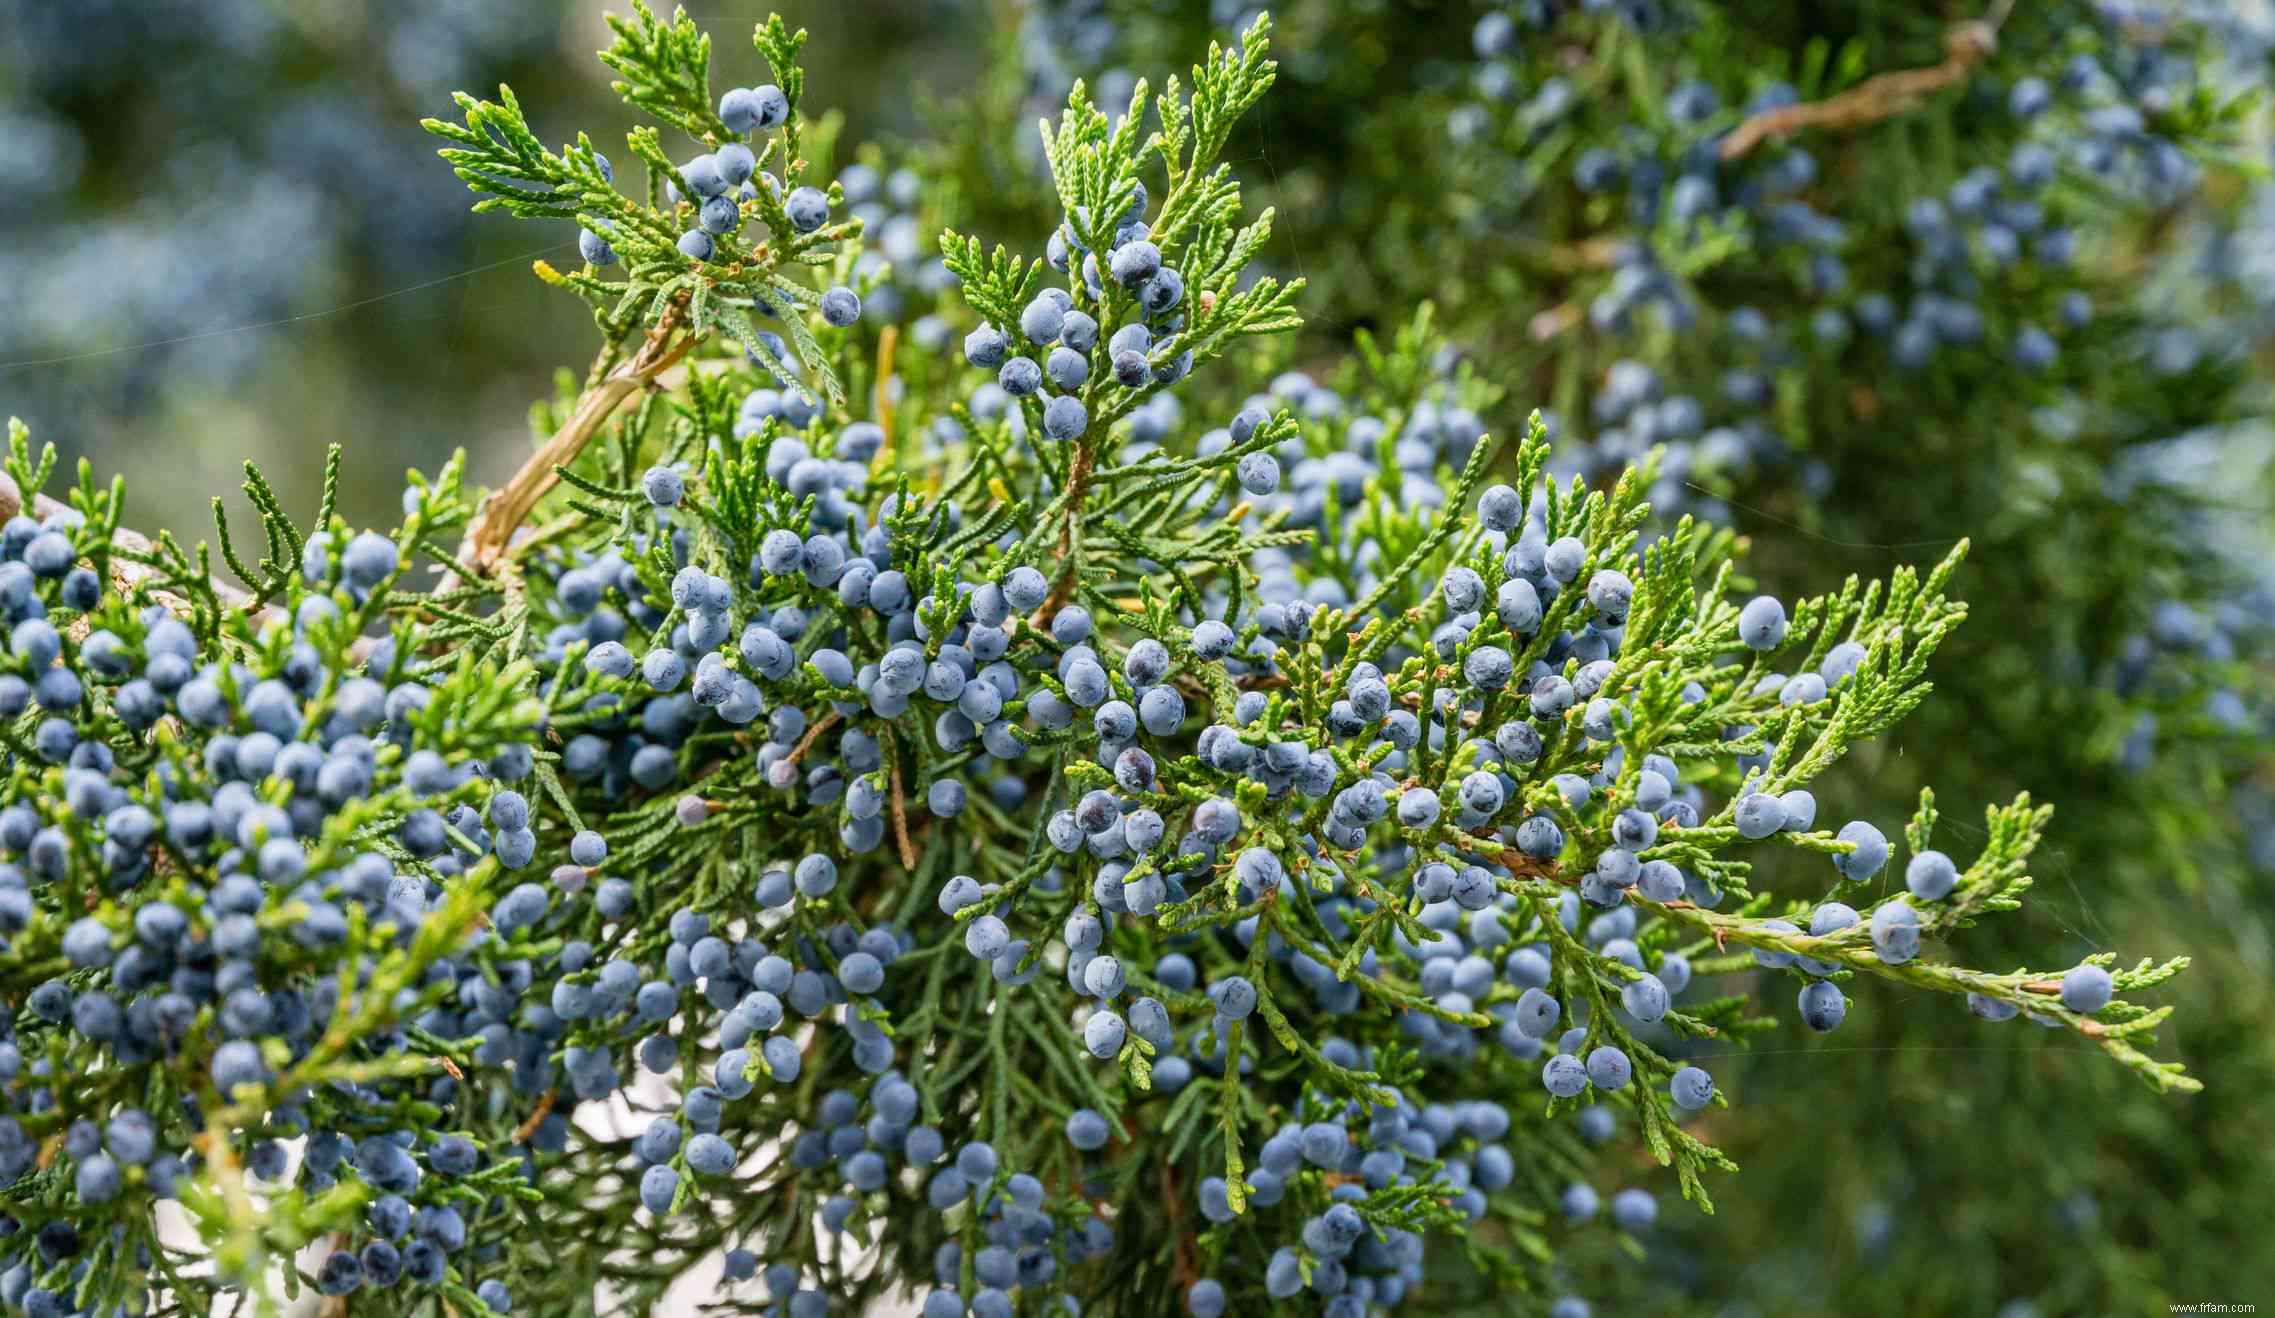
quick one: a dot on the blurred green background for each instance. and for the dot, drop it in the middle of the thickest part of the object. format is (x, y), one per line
(223, 237)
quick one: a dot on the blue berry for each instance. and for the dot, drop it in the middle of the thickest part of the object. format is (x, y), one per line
(1895, 932)
(745, 109)
(1692, 1088)
(1064, 418)
(1759, 815)
(1087, 1130)
(1931, 876)
(840, 307)
(2086, 989)
(1564, 1076)
(1761, 624)
(1870, 854)
(807, 208)
(986, 346)
(718, 216)
(1822, 1006)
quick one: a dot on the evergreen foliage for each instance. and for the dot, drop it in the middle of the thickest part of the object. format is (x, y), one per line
(1835, 333)
(1024, 810)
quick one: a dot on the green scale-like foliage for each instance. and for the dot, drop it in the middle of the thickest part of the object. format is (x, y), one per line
(2117, 495)
(884, 826)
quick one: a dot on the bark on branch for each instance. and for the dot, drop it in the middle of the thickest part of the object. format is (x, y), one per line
(1884, 96)
(504, 509)
(125, 575)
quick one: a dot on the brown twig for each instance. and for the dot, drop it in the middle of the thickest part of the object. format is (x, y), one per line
(1546, 325)
(1598, 253)
(522, 1132)
(1077, 484)
(1188, 1271)
(1061, 591)
(900, 818)
(798, 752)
(880, 393)
(1880, 97)
(336, 1306)
(504, 509)
(125, 576)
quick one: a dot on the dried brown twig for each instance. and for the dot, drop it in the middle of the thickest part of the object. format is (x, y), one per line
(126, 574)
(504, 509)
(1880, 97)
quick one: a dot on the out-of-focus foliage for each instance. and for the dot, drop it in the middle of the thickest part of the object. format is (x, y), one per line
(176, 172)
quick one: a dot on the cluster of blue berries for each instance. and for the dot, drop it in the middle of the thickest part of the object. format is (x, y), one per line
(717, 191)
(1099, 847)
(216, 843)
(1056, 345)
